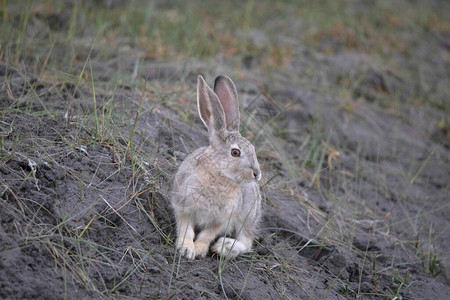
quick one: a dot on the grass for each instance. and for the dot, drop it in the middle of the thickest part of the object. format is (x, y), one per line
(106, 138)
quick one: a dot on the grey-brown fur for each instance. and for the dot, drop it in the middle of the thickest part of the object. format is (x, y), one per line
(214, 192)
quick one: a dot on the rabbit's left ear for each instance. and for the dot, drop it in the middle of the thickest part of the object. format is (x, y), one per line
(209, 108)
(227, 93)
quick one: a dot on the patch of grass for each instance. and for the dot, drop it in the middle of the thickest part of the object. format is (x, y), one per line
(429, 259)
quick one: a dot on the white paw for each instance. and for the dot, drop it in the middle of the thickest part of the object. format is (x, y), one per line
(229, 247)
(187, 249)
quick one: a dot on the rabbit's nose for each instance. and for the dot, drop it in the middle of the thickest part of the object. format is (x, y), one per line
(257, 175)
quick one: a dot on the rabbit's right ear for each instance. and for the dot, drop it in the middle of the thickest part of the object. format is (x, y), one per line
(209, 107)
(227, 93)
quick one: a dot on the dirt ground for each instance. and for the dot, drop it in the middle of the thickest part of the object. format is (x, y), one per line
(355, 184)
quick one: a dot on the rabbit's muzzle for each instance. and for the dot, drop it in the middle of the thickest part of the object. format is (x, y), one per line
(256, 173)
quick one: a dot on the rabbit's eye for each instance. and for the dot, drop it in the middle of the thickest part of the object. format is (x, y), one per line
(235, 152)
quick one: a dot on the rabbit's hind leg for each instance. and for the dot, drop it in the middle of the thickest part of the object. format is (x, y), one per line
(204, 239)
(230, 247)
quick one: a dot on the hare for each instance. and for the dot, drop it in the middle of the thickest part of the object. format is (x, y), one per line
(215, 191)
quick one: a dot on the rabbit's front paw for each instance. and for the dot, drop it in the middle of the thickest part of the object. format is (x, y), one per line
(229, 247)
(201, 249)
(187, 249)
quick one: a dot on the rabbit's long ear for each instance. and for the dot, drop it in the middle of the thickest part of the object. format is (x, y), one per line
(209, 107)
(227, 93)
